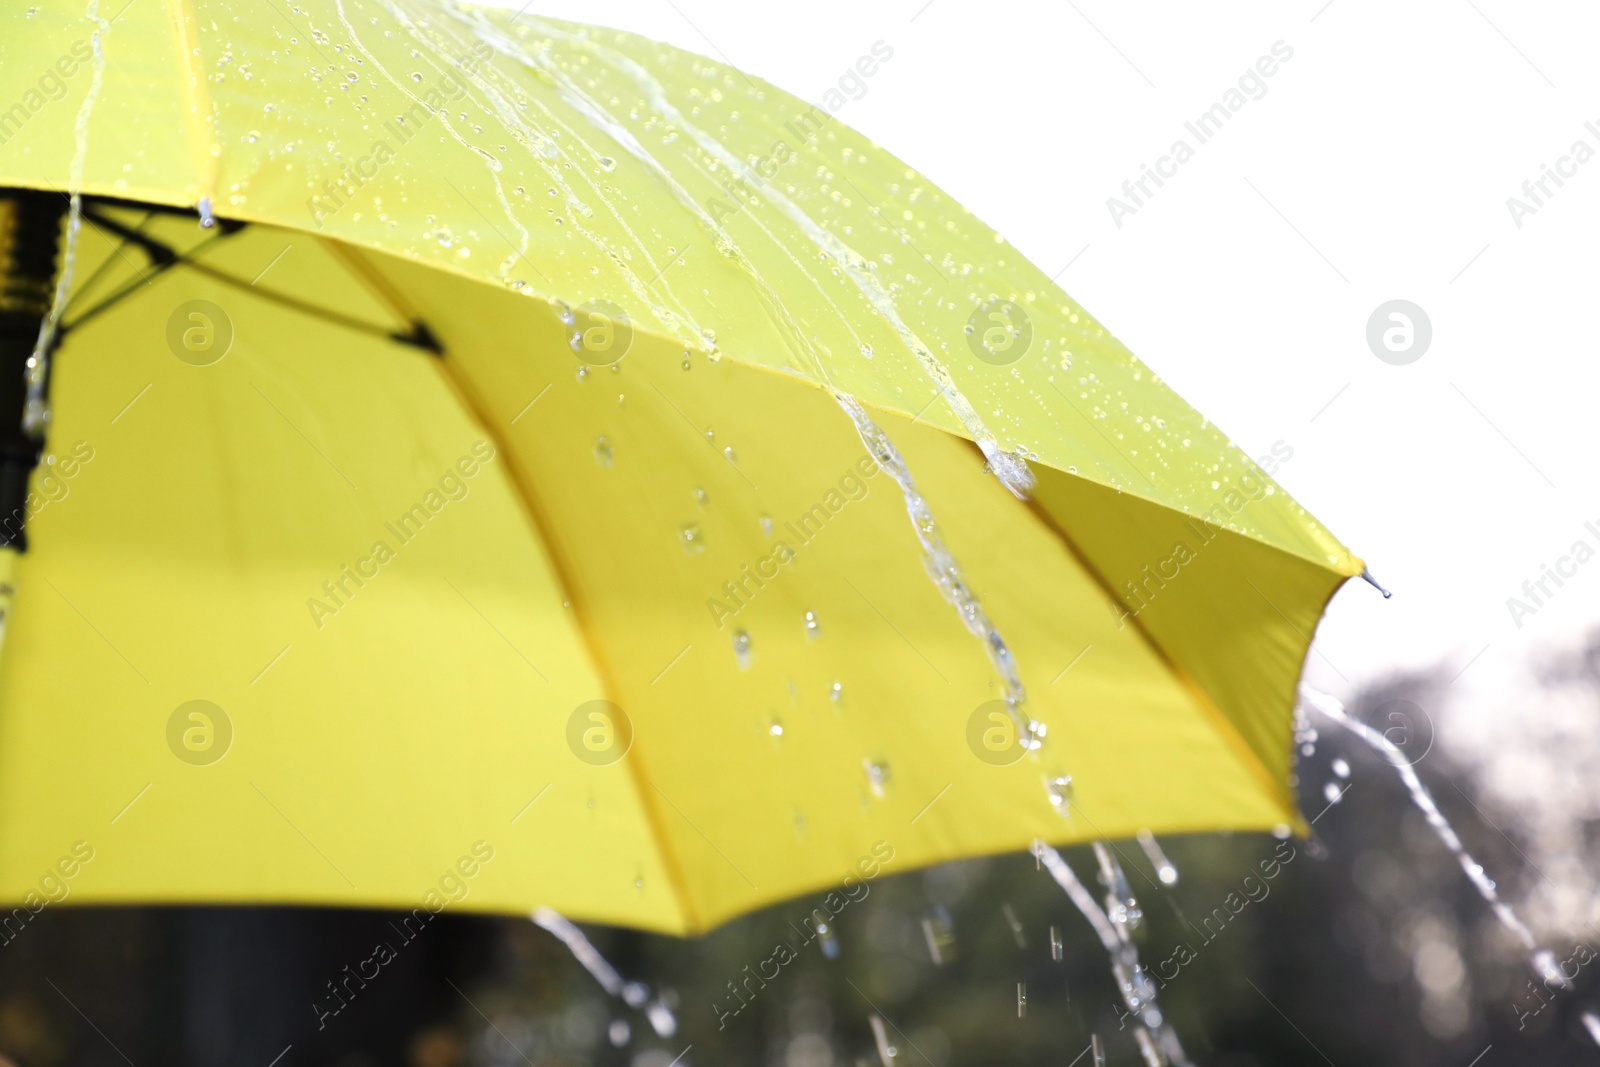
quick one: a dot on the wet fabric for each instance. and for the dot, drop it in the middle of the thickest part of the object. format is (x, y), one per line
(516, 548)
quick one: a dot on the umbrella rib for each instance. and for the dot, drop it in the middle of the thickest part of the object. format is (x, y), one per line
(358, 268)
(164, 257)
(466, 392)
(99, 272)
(419, 336)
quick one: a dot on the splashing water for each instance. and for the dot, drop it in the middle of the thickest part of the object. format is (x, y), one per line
(1165, 871)
(633, 994)
(1011, 469)
(1147, 1049)
(1157, 1039)
(1542, 959)
(1122, 907)
(36, 406)
(945, 572)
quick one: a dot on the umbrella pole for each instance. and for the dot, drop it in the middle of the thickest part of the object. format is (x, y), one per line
(30, 245)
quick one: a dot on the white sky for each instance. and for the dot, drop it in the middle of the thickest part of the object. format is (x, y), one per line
(1377, 166)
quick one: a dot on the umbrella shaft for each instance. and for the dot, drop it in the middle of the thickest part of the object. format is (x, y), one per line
(30, 240)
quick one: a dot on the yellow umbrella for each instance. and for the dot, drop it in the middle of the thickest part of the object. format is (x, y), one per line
(492, 463)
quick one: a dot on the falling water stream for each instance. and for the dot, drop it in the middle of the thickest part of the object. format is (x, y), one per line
(36, 406)
(634, 994)
(1542, 959)
(944, 571)
(1158, 1043)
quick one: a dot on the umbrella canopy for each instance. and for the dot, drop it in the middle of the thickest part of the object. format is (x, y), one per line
(503, 500)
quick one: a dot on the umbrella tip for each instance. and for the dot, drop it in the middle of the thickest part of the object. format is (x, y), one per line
(1374, 583)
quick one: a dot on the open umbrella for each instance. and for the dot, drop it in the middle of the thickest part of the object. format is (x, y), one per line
(495, 463)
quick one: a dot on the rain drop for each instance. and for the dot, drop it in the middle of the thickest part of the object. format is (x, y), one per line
(940, 934)
(766, 525)
(1059, 790)
(700, 497)
(618, 1032)
(813, 627)
(877, 775)
(775, 729)
(1158, 859)
(741, 648)
(835, 692)
(692, 539)
(602, 451)
(1341, 768)
(661, 1019)
(830, 943)
(1332, 793)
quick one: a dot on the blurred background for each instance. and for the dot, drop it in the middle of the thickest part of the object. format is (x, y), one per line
(1377, 165)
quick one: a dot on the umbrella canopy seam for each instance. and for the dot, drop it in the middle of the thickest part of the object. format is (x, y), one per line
(467, 394)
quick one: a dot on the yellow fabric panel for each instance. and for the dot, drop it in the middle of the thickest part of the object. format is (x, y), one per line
(370, 752)
(1234, 620)
(751, 816)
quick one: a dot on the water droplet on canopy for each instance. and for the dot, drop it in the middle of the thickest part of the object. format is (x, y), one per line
(877, 775)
